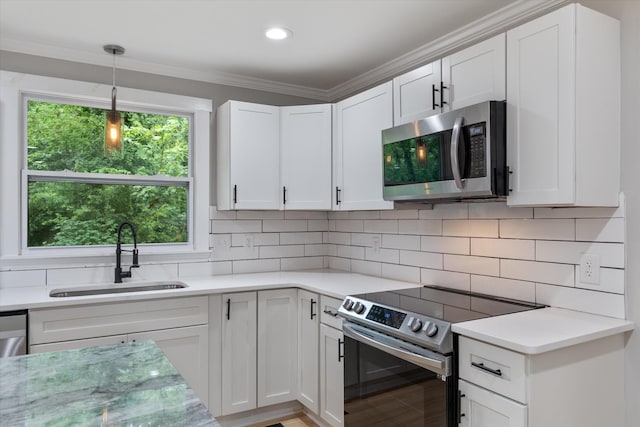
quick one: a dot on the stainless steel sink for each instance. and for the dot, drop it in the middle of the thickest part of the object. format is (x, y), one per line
(116, 289)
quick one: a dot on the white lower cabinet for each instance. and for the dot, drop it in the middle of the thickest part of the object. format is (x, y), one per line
(331, 375)
(308, 347)
(482, 408)
(259, 349)
(178, 326)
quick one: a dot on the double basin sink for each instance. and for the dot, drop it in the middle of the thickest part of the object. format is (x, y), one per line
(116, 289)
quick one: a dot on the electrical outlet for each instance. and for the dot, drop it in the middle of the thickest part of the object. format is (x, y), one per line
(376, 245)
(590, 269)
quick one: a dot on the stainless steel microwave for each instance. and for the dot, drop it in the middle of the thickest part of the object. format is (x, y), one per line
(451, 156)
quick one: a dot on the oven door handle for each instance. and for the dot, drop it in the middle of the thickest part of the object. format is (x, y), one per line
(438, 365)
(455, 161)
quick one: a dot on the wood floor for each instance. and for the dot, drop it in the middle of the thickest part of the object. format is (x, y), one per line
(297, 420)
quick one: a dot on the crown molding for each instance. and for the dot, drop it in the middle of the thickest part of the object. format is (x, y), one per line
(484, 27)
(489, 25)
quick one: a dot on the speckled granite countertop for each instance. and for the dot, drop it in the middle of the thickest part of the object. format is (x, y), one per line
(130, 384)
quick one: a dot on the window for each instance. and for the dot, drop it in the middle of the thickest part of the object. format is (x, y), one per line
(63, 194)
(78, 191)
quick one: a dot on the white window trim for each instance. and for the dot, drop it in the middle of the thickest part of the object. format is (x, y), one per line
(13, 89)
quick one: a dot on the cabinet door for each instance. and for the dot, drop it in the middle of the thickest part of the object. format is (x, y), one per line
(308, 344)
(475, 74)
(254, 155)
(482, 408)
(70, 345)
(188, 350)
(331, 375)
(416, 94)
(359, 122)
(540, 106)
(277, 346)
(238, 352)
(305, 152)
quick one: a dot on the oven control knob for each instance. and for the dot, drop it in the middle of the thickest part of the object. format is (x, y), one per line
(415, 324)
(348, 304)
(431, 329)
(359, 308)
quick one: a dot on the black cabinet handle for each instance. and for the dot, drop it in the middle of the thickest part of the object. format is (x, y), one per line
(340, 353)
(331, 313)
(460, 414)
(338, 195)
(442, 88)
(313, 302)
(235, 194)
(433, 97)
(496, 372)
(228, 308)
(284, 195)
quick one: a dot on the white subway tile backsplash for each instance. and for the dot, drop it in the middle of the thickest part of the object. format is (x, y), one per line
(364, 215)
(497, 210)
(506, 288)
(547, 229)
(600, 230)
(611, 254)
(380, 226)
(399, 214)
(22, 278)
(282, 251)
(300, 238)
(354, 252)
(303, 263)
(421, 259)
(338, 215)
(320, 250)
(310, 215)
(603, 303)
(445, 211)
(236, 226)
(398, 241)
(420, 226)
(257, 239)
(470, 228)
(234, 253)
(338, 238)
(533, 271)
(366, 267)
(504, 248)
(472, 264)
(448, 279)
(343, 264)
(365, 239)
(260, 215)
(318, 225)
(401, 272)
(382, 255)
(195, 269)
(256, 265)
(611, 280)
(274, 225)
(88, 275)
(349, 225)
(446, 245)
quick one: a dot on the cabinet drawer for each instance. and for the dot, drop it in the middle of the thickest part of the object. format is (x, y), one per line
(328, 311)
(494, 368)
(98, 320)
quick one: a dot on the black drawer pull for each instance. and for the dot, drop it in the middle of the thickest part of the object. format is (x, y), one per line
(228, 308)
(340, 347)
(496, 372)
(313, 303)
(330, 313)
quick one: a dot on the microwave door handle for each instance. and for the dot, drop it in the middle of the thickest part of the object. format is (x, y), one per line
(455, 162)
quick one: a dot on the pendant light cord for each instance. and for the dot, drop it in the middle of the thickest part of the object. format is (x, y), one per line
(113, 90)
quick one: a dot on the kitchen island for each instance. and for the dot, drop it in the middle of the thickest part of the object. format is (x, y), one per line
(114, 385)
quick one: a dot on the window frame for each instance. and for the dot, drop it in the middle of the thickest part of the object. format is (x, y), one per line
(17, 89)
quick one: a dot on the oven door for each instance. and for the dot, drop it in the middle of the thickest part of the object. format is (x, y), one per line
(389, 382)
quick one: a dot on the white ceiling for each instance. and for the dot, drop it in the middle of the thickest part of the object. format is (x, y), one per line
(334, 42)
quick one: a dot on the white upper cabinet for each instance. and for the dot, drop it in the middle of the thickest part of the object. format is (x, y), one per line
(248, 149)
(475, 74)
(467, 77)
(414, 93)
(563, 109)
(305, 144)
(357, 140)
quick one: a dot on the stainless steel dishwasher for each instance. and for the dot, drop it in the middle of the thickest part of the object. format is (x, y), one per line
(13, 333)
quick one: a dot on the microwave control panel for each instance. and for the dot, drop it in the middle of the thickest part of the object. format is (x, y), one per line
(476, 151)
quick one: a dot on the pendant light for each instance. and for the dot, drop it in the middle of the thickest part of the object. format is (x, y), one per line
(113, 130)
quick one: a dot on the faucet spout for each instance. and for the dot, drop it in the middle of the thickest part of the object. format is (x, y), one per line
(119, 274)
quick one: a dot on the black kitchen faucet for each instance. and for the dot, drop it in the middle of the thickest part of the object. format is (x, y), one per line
(119, 273)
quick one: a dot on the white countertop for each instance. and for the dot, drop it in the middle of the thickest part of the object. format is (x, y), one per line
(337, 284)
(539, 331)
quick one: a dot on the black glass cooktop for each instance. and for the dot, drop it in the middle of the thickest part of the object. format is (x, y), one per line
(448, 304)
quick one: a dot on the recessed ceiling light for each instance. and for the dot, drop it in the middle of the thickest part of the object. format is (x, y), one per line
(277, 33)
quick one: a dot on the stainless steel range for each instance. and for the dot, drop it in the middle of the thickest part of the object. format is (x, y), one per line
(400, 353)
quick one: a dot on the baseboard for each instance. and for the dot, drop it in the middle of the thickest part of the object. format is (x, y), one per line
(259, 415)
